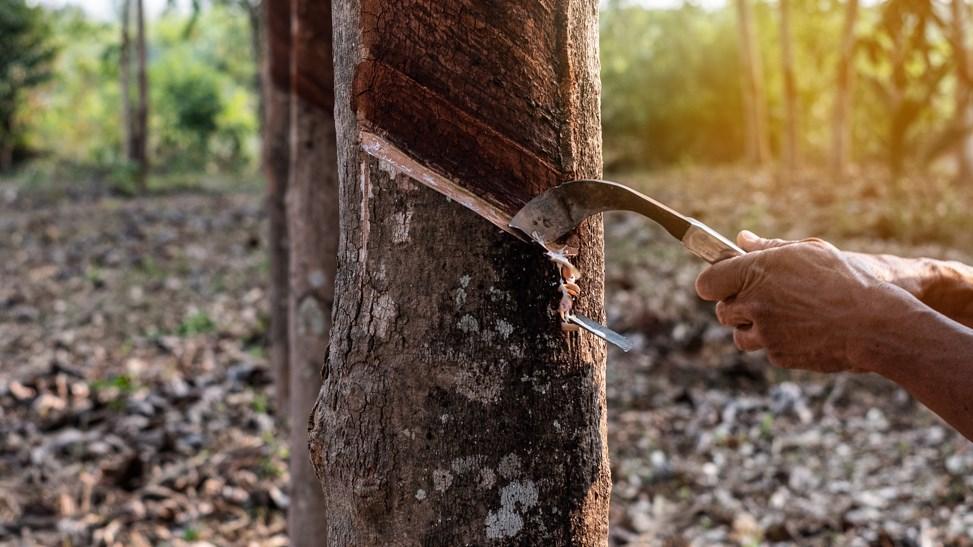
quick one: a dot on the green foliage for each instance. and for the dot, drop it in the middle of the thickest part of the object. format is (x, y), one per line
(671, 82)
(205, 113)
(188, 107)
(25, 58)
(202, 99)
(196, 323)
(115, 389)
(671, 89)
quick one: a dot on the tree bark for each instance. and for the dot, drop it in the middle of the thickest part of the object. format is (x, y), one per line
(964, 80)
(454, 410)
(757, 146)
(125, 72)
(841, 127)
(312, 213)
(140, 136)
(791, 122)
(276, 136)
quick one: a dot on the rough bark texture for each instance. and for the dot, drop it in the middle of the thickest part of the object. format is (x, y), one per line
(964, 80)
(758, 148)
(454, 410)
(276, 162)
(791, 121)
(841, 127)
(312, 213)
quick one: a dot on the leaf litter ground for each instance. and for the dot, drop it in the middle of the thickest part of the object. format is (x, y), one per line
(136, 406)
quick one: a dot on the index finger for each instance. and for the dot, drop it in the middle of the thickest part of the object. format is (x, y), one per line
(725, 278)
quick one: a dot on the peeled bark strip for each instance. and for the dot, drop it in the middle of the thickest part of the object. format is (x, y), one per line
(454, 410)
(312, 214)
(276, 162)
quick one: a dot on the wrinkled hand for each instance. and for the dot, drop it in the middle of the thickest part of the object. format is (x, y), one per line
(805, 301)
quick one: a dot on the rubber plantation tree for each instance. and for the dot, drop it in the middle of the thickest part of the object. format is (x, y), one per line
(276, 151)
(910, 74)
(25, 62)
(959, 38)
(752, 78)
(312, 229)
(454, 409)
(791, 145)
(844, 83)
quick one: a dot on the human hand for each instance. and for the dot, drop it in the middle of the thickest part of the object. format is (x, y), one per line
(809, 304)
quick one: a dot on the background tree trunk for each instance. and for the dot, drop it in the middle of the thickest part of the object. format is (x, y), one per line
(758, 148)
(276, 136)
(454, 409)
(841, 127)
(255, 12)
(125, 72)
(791, 147)
(140, 136)
(312, 213)
(964, 106)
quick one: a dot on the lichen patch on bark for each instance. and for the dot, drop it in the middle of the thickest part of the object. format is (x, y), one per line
(516, 499)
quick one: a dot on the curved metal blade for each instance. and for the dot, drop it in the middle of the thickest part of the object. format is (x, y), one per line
(555, 213)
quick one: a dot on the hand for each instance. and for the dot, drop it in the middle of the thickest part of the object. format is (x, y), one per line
(806, 302)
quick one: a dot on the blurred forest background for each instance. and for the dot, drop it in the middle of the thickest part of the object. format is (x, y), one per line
(61, 82)
(135, 397)
(674, 83)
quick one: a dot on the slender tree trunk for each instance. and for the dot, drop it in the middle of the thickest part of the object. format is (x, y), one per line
(791, 122)
(454, 410)
(276, 136)
(758, 148)
(841, 121)
(964, 79)
(899, 116)
(312, 213)
(125, 72)
(141, 134)
(255, 17)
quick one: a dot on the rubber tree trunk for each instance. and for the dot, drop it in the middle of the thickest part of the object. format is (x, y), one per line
(140, 134)
(454, 410)
(125, 75)
(757, 145)
(791, 148)
(844, 83)
(312, 213)
(964, 81)
(255, 18)
(276, 166)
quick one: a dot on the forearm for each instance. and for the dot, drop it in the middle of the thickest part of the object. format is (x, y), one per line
(945, 286)
(948, 288)
(927, 354)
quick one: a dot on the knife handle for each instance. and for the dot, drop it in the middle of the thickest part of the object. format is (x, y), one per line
(708, 244)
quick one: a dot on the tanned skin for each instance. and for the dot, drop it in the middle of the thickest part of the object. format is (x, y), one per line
(815, 307)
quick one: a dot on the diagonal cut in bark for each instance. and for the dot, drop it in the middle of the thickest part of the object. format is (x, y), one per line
(384, 150)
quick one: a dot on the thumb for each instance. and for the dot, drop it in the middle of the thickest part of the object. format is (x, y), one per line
(750, 241)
